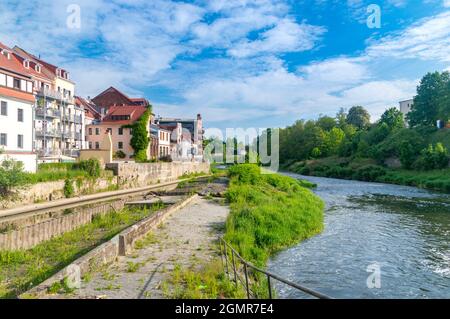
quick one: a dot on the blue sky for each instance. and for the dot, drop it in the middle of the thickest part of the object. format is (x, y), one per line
(261, 63)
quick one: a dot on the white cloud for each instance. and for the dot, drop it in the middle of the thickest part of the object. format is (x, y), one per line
(428, 39)
(285, 36)
(446, 3)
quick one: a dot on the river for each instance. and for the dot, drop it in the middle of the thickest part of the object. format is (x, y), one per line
(380, 241)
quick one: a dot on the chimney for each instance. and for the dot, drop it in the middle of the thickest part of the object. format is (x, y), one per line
(199, 116)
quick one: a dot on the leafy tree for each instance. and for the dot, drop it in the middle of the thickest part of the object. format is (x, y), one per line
(359, 117)
(393, 118)
(326, 123)
(432, 100)
(11, 176)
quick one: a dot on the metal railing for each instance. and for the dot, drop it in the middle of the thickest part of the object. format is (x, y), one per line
(48, 112)
(247, 268)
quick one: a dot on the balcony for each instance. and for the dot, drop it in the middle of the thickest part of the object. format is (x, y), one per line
(52, 94)
(48, 152)
(42, 112)
(71, 153)
(68, 134)
(48, 133)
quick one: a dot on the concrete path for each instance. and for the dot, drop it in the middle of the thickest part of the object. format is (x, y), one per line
(185, 238)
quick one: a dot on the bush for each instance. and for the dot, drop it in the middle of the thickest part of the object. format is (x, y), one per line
(245, 173)
(91, 166)
(120, 154)
(69, 190)
(11, 176)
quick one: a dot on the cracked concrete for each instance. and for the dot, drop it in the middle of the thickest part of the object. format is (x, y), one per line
(185, 237)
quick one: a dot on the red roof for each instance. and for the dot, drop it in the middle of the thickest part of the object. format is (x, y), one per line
(133, 111)
(17, 94)
(12, 64)
(89, 107)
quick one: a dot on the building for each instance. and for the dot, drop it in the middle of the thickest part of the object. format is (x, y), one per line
(114, 122)
(405, 106)
(160, 142)
(59, 123)
(16, 110)
(113, 97)
(191, 127)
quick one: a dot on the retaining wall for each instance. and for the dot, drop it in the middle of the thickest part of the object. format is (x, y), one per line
(106, 253)
(139, 175)
(29, 236)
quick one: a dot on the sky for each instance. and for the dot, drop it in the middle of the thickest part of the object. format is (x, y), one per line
(240, 63)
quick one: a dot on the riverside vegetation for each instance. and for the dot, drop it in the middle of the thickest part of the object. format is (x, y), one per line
(348, 146)
(268, 212)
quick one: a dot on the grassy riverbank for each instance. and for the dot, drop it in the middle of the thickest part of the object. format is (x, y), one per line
(268, 212)
(368, 170)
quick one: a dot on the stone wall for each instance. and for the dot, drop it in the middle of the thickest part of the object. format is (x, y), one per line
(29, 236)
(48, 191)
(139, 175)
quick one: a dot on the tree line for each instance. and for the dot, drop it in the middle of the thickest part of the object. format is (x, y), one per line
(418, 145)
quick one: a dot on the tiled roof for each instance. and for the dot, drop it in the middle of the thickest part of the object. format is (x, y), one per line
(12, 64)
(134, 111)
(8, 92)
(90, 108)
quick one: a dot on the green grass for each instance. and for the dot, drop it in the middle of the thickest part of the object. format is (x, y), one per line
(49, 172)
(269, 213)
(21, 270)
(209, 282)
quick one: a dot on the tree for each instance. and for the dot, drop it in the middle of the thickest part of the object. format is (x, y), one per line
(393, 118)
(359, 117)
(11, 176)
(432, 100)
(140, 140)
(326, 123)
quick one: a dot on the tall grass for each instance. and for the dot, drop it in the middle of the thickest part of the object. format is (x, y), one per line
(269, 213)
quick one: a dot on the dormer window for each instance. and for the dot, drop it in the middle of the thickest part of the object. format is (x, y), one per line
(38, 68)
(26, 64)
(7, 54)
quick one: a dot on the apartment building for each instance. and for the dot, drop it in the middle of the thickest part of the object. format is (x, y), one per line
(16, 110)
(59, 123)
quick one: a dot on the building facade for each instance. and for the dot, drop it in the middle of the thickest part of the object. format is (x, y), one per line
(114, 123)
(59, 123)
(16, 111)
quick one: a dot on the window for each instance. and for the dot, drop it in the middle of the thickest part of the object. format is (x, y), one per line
(90, 145)
(90, 131)
(20, 115)
(97, 145)
(120, 131)
(16, 83)
(120, 145)
(97, 131)
(3, 139)
(19, 141)
(4, 108)
(109, 130)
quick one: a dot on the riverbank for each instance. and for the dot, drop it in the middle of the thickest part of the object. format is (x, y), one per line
(367, 170)
(268, 212)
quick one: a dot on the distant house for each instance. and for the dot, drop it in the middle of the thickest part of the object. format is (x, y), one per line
(113, 97)
(192, 126)
(113, 122)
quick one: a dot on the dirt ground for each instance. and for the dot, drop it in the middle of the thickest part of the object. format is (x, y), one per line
(185, 238)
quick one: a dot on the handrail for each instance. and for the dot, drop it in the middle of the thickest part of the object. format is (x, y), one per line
(269, 275)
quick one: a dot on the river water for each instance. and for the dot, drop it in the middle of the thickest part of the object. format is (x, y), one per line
(380, 241)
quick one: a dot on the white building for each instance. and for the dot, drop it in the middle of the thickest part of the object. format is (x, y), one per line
(59, 123)
(16, 111)
(405, 106)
